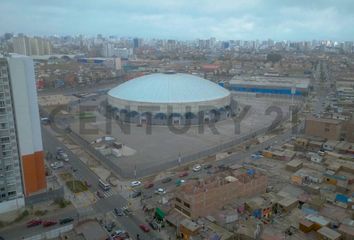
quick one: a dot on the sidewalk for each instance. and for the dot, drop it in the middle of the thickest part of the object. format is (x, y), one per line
(79, 200)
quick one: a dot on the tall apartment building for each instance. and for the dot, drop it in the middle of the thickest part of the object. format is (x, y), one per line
(31, 46)
(22, 171)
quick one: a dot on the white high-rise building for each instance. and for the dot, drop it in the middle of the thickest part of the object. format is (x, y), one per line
(22, 171)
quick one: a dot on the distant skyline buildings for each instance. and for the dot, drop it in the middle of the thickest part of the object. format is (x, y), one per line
(31, 46)
(102, 45)
(183, 19)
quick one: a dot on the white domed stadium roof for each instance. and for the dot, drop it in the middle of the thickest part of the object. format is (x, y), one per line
(168, 88)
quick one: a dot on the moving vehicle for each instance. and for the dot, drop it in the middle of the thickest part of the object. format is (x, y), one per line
(144, 227)
(183, 174)
(66, 220)
(135, 183)
(110, 226)
(99, 194)
(104, 185)
(197, 168)
(119, 212)
(49, 223)
(166, 180)
(88, 184)
(33, 223)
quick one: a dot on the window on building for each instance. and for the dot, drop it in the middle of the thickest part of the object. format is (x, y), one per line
(12, 193)
(178, 200)
(186, 212)
(187, 205)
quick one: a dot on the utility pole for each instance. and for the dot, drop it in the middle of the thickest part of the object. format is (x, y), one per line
(134, 171)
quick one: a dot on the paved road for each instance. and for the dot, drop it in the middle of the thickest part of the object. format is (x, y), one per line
(19, 230)
(102, 206)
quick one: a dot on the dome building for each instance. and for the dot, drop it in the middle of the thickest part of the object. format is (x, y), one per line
(169, 96)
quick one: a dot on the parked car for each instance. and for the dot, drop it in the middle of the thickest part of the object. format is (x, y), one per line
(148, 185)
(119, 232)
(183, 174)
(49, 223)
(160, 191)
(144, 227)
(208, 166)
(119, 212)
(197, 168)
(256, 156)
(33, 223)
(135, 183)
(57, 165)
(179, 182)
(166, 180)
(136, 194)
(62, 156)
(66, 220)
(153, 225)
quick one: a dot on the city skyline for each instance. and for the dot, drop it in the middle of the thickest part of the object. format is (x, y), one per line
(183, 20)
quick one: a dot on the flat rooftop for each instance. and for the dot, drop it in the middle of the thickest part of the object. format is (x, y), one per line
(286, 82)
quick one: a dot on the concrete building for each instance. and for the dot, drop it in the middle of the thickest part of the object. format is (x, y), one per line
(329, 129)
(22, 170)
(325, 233)
(199, 198)
(270, 85)
(165, 97)
(32, 46)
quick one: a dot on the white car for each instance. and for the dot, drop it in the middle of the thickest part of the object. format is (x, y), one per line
(197, 168)
(56, 165)
(160, 191)
(135, 183)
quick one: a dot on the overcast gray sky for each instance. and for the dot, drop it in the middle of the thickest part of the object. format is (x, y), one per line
(183, 19)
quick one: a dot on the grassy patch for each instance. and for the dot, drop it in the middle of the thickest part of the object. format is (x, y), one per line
(61, 202)
(66, 176)
(76, 186)
(20, 217)
(2, 224)
(40, 213)
(86, 115)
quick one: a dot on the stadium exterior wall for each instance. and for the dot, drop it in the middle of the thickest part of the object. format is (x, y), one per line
(180, 108)
(264, 90)
(178, 113)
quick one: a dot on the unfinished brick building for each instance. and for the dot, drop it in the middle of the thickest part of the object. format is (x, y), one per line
(199, 198)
